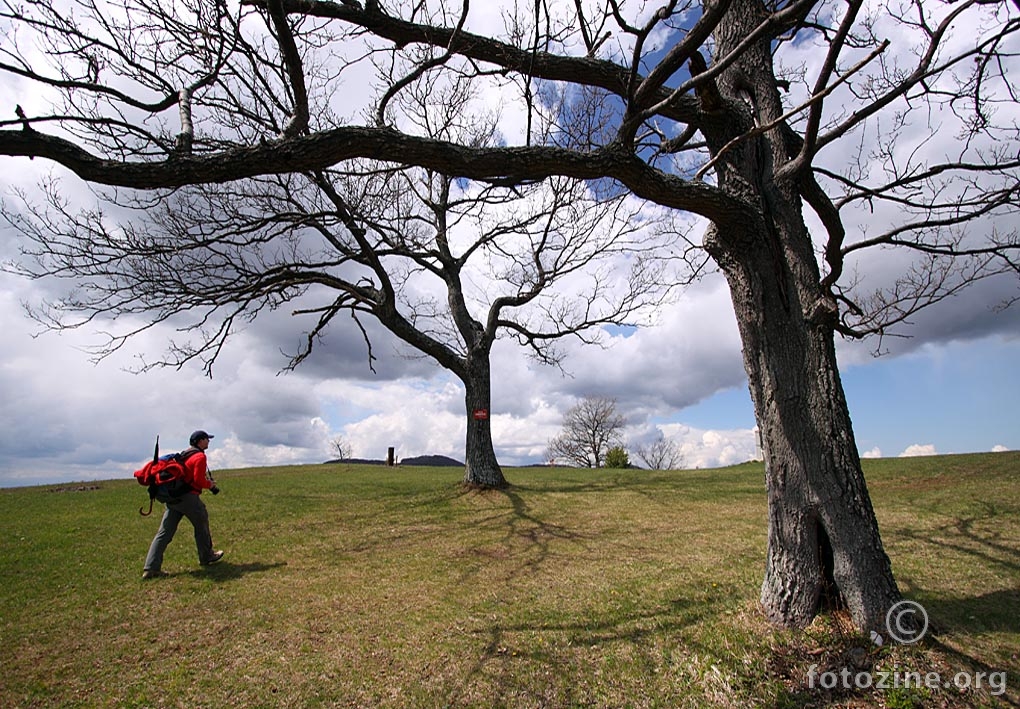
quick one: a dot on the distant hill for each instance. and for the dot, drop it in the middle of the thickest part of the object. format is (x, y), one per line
(434, 461)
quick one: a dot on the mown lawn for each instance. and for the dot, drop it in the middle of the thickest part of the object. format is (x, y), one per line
(365, 586)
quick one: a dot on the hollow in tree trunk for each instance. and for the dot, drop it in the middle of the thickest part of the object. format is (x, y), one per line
(824, 548)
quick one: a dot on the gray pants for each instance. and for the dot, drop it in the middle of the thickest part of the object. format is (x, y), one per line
(192, 507)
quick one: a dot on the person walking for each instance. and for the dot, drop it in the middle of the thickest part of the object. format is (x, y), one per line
(189, 505)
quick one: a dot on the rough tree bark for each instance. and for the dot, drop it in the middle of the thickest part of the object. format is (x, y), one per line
(481, 469)
(824, 547)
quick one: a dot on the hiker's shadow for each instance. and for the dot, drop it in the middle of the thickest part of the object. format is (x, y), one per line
(226, 571)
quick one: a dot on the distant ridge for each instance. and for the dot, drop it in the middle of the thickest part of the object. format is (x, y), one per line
(434, 461)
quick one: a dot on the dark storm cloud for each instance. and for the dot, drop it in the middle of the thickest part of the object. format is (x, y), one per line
(974, 314)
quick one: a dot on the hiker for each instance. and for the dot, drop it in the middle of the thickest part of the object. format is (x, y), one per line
(189, 505)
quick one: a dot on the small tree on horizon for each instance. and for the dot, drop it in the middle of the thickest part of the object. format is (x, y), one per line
(617, 458)
(342, 447)
(661, 454)
(590, 429)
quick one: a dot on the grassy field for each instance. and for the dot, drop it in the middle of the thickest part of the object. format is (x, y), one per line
(367, 586)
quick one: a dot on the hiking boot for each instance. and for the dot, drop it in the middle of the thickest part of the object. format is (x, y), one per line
(214, 558)
(150, 574)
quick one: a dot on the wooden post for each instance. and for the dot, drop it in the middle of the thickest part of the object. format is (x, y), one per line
(389, 456)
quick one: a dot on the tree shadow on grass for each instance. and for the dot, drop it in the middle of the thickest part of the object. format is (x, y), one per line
(227, 571)
(1009, 693)
(997, 612)
(525, 524)
(575, 638)
(529, 541)
(836, 669)
(977, 536)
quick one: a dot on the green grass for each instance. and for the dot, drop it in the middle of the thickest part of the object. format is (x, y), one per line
(368, 586)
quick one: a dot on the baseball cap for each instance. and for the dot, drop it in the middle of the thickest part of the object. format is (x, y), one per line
(199, 435)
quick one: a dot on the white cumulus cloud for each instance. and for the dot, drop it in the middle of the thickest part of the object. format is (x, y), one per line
(918, 450)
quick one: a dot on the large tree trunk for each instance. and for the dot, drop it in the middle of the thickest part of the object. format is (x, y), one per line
(824, 549)
(480, 465)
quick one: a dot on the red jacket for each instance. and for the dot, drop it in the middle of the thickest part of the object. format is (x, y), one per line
(196, 466)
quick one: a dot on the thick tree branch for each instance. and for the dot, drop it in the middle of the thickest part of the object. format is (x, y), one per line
(298, 123)
(329, 148)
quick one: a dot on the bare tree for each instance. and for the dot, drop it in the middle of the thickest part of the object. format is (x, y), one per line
(446, 265)
(713, 109)
(661, 454)
(590, 428)
(342, 447)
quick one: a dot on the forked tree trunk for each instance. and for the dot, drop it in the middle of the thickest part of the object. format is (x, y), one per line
(824, 549)
(481, 468)
(823, 541)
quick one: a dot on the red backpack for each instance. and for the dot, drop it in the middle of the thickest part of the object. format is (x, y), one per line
(167, 477)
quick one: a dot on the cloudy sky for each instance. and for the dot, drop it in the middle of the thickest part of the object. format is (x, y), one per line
(950, 387)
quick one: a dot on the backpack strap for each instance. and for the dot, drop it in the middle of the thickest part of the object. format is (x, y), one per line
(183, 457)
